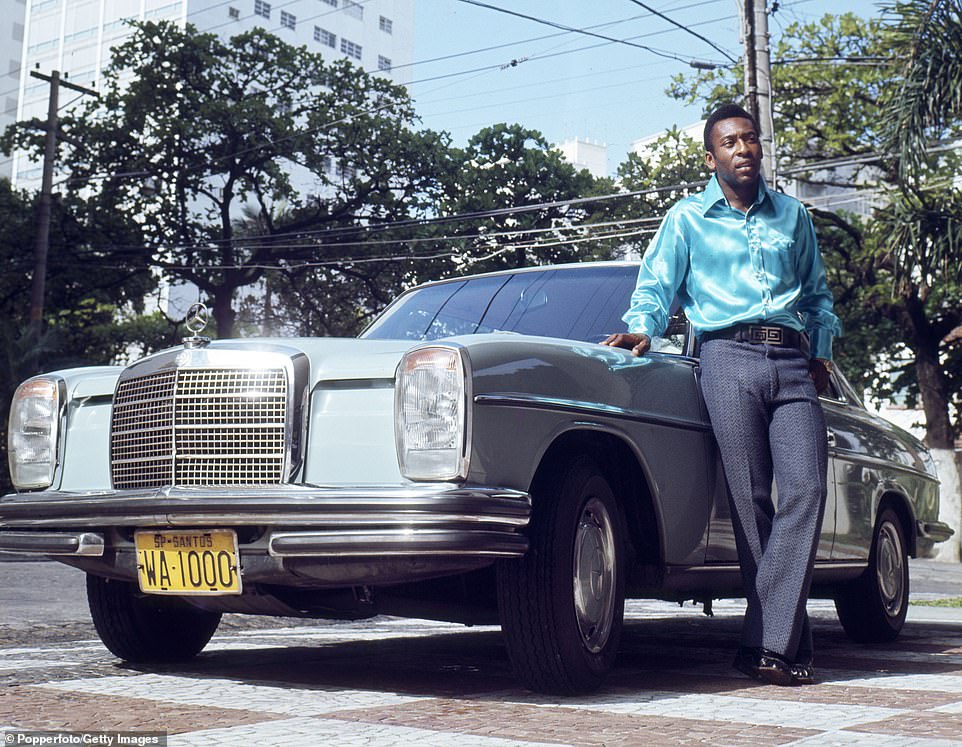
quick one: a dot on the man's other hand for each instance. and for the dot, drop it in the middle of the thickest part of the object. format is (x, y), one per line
(637, 344)
(819, 374)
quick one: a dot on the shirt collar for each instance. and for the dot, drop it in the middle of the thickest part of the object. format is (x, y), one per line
(713, 193)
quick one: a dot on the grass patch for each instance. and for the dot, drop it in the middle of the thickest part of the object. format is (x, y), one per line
(951, 602)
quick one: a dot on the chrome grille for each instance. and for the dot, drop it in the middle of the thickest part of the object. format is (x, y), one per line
(200, 426)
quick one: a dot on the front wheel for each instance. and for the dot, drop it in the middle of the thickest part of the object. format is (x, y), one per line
(138, 629)
(872, 610)
(562, 604)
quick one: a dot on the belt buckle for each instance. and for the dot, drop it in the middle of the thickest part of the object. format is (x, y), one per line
(767, 335)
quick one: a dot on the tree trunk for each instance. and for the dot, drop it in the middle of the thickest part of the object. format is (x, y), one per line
(935, 401)
(224, 313)
(934, 390)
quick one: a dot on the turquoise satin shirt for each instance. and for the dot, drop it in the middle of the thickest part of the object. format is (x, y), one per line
(728, 267)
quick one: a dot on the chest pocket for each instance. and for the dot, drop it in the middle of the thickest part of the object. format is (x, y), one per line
(777, 241)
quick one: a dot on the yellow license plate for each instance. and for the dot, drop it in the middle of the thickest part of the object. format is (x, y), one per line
(188, 562)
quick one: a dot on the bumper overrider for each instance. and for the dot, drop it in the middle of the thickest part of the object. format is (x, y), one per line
(282, 521)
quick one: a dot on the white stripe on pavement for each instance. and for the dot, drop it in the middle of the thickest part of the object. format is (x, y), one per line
(224, 693)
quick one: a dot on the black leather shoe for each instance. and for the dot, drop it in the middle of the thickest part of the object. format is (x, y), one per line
(774, 668)
(803, 674)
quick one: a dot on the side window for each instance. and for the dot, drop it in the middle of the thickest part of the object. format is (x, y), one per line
(573, 304)
(411, 316)
(461, 313)
(506, 307)
(611, 302)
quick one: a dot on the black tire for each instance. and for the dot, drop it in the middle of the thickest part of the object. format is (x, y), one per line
(138, 629)
(562, 603)
(872, 610)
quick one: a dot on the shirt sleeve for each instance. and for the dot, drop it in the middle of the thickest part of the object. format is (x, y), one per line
(661, 272)
(815, 299)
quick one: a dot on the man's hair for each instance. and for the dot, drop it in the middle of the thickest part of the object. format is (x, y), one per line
(725, 111)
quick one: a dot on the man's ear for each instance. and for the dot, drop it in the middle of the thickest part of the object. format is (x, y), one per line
(710, 160)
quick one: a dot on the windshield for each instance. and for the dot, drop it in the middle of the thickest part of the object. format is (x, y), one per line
(580, 303)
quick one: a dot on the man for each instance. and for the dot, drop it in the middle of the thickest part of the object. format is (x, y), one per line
(744, 265)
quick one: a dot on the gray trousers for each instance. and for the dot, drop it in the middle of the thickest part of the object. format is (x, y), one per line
(768, 423)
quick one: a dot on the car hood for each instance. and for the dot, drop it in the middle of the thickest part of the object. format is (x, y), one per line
(331, 358)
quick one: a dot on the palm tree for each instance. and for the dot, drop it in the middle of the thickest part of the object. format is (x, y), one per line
(926, 38)
(921, 228)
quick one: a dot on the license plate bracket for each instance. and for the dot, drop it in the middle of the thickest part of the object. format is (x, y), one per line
(188, 562)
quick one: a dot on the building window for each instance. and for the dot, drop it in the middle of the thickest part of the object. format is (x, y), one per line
(288, 20)
(353, 9)
(350, 49)
(262, 9)
(233, 13)
(387, 25)
(383, 63)
(325, 37)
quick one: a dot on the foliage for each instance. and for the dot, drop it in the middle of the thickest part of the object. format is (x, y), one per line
(192, 129)
(671, 168)
(926, 105)
(81, 306)
(509, 166)
(837, 66)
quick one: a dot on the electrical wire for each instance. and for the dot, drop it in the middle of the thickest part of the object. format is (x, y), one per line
(474, 215)
(554, 24)
(686, 29)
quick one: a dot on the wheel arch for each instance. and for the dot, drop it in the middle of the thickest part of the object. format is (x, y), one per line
(899, 503)
(620, 465)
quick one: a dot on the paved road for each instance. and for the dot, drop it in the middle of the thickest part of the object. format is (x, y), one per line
(392, 682)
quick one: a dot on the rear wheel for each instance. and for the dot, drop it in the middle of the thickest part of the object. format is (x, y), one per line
(872, 610)
(562, 604)
(136, 628)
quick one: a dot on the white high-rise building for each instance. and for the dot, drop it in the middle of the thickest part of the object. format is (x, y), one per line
(13, 13)
(76, 36)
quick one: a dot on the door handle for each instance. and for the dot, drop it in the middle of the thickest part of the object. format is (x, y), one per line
(831, 438)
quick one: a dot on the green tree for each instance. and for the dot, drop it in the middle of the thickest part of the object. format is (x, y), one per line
(82, 306)
(672, 167)
(504, 167)
(317, 150)
(921, 228)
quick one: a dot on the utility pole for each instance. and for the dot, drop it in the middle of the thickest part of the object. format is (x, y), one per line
(758, 79)
(42, 244)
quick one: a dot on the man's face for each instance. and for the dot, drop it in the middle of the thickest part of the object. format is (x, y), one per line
(736, 154)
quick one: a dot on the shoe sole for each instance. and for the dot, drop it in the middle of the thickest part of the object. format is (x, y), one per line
(775, 676)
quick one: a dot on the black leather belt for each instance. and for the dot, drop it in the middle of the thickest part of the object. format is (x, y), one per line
(759, 334)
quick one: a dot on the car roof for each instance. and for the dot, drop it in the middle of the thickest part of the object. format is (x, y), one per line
(534, 268)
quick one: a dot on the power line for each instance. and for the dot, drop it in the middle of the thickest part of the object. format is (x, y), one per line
(586, 32)
(474, 215)
(686, 29)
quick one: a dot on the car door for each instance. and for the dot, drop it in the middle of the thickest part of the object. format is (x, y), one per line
(855, 443)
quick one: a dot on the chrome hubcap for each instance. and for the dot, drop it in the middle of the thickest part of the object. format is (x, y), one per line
(594, 575)
(891, 574)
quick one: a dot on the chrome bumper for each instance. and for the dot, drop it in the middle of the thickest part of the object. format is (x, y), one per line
(300, 521)
(934, 531)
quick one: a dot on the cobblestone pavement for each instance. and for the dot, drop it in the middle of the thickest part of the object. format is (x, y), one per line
(394, 682)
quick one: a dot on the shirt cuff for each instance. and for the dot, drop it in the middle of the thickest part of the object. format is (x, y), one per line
(821, 343)
(643, 326)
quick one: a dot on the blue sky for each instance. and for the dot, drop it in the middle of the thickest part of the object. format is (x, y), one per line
(572, 85)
